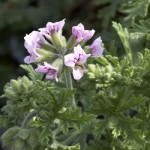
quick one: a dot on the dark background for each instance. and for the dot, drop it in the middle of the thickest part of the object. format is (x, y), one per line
(18, 17)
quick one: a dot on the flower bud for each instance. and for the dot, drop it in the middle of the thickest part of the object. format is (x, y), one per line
(107, 76)
(103, 61)
(49, 47)
(108, 68)
(56, 40)
(45, 55)
(14, 84)
(10, 94)
(71, 42)
(59, 64)
(23, 88)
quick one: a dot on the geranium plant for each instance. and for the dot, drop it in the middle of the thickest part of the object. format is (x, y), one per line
(80, 95)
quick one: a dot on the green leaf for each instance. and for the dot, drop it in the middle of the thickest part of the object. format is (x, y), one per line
(132, 102)
(134, 8)
(8, 136)
(124, 36)
(73, 118)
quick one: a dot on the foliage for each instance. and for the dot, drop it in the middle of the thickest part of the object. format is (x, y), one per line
(113, 97)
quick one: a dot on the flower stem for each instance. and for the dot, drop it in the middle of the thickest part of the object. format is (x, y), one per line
(28, 118)
(68, 81)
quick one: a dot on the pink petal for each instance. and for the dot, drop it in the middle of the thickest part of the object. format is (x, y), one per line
(81, 34)
(28, 60)
(52, 76)
(50, 66)
(41, 69)
(35, 39)
(87, 35)
(97, 48)
(80, 55)
(51, 72)
(28, 47)
(55, 27)
(78, 73)
(69, 60)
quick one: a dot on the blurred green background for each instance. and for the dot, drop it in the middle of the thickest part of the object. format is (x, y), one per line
(18, 17)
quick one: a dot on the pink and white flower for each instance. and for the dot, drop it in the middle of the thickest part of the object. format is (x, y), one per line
(76, 61)
(52, 27)
(96, 48)
(32, 41)
(81, 34)
(50, 71)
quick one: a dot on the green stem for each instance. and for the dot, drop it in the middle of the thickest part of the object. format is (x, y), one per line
(28, 118)
(68, 81)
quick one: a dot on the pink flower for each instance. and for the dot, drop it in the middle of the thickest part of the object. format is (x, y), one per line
(97, 48)
(78, 57)
(81, 34)
(52, 27)
(76, 60)
(32, 41)
(50, 71)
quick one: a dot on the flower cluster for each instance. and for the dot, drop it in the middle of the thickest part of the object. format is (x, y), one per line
(48, 45)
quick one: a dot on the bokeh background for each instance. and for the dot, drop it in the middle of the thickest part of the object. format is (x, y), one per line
(20, 17)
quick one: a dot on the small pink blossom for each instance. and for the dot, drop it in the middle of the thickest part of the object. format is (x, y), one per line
(76, 60)
(32, 41)
(50, 71)
(52, 27)
(97, 48)
(81, 34)
(78, 57)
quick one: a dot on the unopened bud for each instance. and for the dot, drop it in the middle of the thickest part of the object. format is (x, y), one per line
(49, 47)
(45, 55)
(71, 42)
(59, 64)
(56, 40)
(103, 61)
(15, 84)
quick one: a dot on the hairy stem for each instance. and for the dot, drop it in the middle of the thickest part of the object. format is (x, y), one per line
(28, 118)
(68, 81)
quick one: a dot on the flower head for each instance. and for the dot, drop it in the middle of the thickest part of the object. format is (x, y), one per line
(32, 41)
(81, 34)
(78, 57)
(50, 71)
(76, 60)
(52, 27)
(97, 48)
